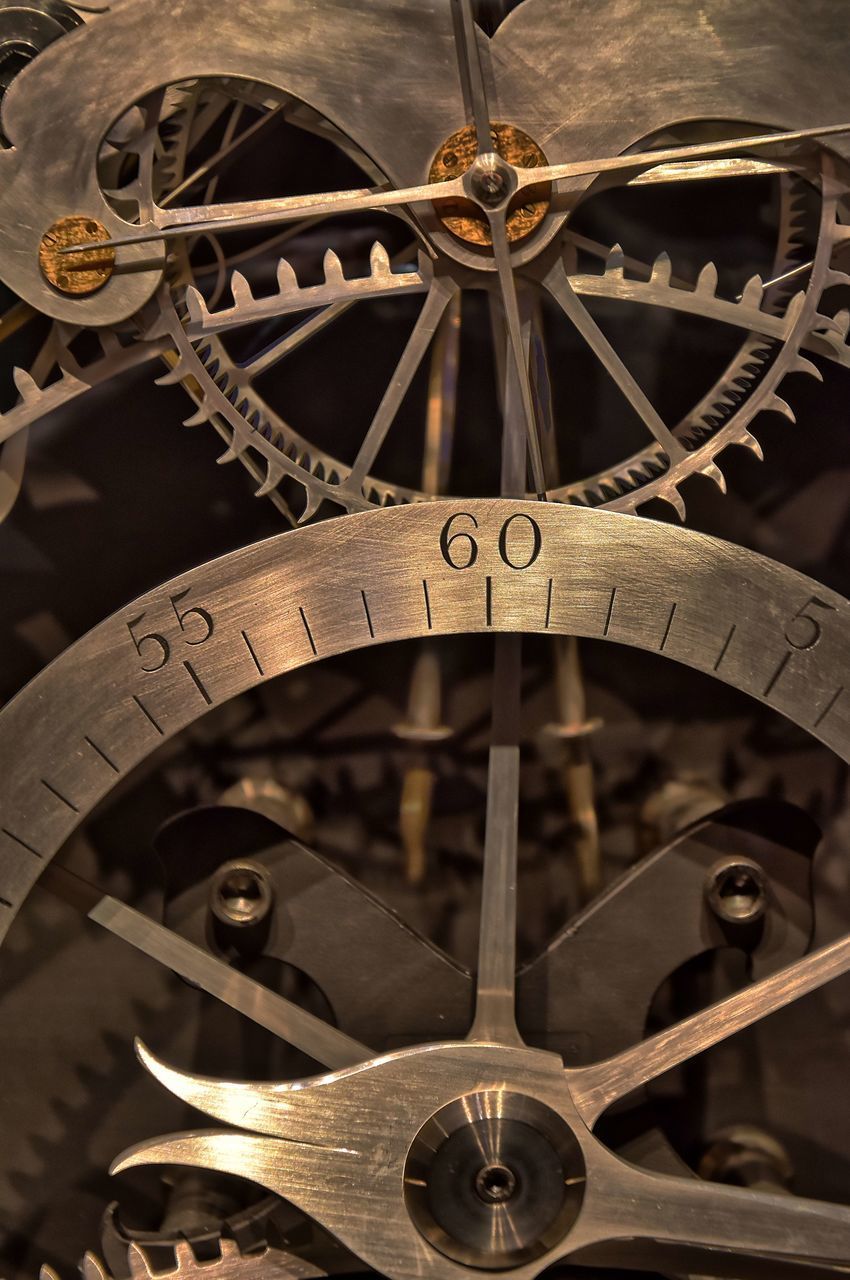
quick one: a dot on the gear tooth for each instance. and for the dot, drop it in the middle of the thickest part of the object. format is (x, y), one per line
(830, 324)
(662, 269)
(196, 307)
(707, 280)
(674, 499)
(777, 405)
(233, 452)
(174, 375)
(615, 262)
(184, 1255)
(286, 277)
(25, 383)
(91, 1267)
(842, 319)
(794, 308)
(748, 441)
(241, 290)
(711, 471)
(379, 260)
(333, 268)
(802, 365)
(228, 1248)
(202, 414)
(833, 277)
(311, 506)
(753, 292)
(137, 1262)
(47, 1273)
(274, 475)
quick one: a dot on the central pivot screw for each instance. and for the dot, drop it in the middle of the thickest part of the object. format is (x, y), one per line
(466, 219)
(494, 1179)
(495, 1183)
(490, 186)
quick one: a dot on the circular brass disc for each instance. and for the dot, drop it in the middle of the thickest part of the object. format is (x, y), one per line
(463, 218)
(78, 273)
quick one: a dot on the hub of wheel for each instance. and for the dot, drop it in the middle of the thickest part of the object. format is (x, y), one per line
(463, 217)
(494, 1179)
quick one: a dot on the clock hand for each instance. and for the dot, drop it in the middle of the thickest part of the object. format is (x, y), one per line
(277, 1014)
(490, 180)
(197, 219)
(693, 151)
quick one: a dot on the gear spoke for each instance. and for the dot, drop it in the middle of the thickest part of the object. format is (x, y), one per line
(440, 294)
(558, 283)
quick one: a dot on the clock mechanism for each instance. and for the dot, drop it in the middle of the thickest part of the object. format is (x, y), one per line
(425, 701)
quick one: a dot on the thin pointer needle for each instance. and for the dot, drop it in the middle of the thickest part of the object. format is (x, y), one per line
(471, 63)
(502, 255)
(495, 985)
(472, 73)
(596, 1087)
(280, 1016)
(191, 221)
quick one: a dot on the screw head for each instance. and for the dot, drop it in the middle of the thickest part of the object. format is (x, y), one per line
(241, 894)
(736, 891)
(495, 1183)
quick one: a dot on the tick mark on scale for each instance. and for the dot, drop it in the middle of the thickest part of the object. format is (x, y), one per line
(309, 632)
(548, 604)
(771, 684)
(59, 796)
(104, 757)
(17, 839)
(368, 614)
(610, 612)
(254, 658)
(829, 705)
(666, 635)
(198, 683)
(488, 600)
(726, 644)
(427, 604)
(150, 719)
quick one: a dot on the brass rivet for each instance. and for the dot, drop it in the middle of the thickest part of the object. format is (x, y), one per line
(81, 273)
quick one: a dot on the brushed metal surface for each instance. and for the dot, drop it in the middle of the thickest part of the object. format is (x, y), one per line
(547, 70)
(82, 724)
(337, 1147)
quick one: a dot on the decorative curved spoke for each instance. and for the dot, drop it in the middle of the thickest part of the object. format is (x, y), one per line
(647, 1220)
(596, 1087)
